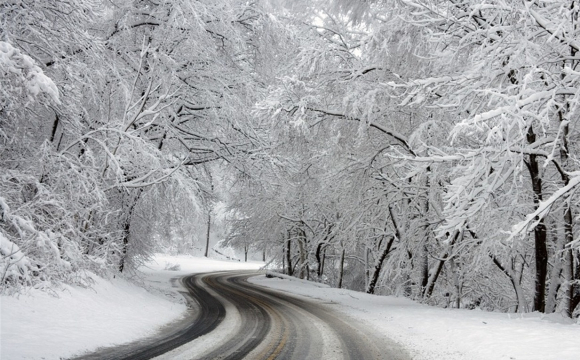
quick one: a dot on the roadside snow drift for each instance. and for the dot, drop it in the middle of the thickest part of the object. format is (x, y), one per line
(40, 325)
(430, 333)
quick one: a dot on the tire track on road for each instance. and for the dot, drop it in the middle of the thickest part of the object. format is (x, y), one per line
(270, 325)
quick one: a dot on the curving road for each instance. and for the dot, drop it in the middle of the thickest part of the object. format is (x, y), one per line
(233, 319)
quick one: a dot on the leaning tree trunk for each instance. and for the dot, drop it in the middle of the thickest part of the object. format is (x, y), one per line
(55, 124)
(509, 272)
(378, 266)
(436, 271)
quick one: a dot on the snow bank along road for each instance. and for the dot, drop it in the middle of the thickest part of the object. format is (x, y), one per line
(234, 319)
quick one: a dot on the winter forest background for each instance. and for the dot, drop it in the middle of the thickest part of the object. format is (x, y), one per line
(419, 148)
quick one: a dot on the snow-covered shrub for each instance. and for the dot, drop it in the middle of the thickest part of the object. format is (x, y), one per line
(38, 243)
(55, 222)
(15, 265)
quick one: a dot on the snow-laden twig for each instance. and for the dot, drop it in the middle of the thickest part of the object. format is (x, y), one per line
(544, 208)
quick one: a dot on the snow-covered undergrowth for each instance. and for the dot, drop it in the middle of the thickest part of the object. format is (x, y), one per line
(73, 320)
(450, 334)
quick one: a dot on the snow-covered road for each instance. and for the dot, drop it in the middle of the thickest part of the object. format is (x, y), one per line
(277, 325)
(263, 324)
(39, 325)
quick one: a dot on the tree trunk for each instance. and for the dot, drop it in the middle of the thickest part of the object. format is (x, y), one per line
(207, 233)
(208, 204)
(424, 269)
(289, 255)
(302, 258)
(323, 260)
(433, 278)
(572, 272)
(59, 141)
(367, 266)
(576, 293)
(439, 266)
(569, 263)
(126, 231)
(560, 265)
(378, 267)
(541, 252)
(456, 282)
(320, 249)
(54, 128)
(283, 255)
(508, 271)
(568, 260)
(423, 255)
(125, 247)
(341, 269)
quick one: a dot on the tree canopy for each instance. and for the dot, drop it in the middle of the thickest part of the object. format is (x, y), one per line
(417, 148)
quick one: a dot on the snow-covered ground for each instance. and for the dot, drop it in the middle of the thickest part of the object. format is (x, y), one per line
(37, 325)
(434, 333)
(73, 320)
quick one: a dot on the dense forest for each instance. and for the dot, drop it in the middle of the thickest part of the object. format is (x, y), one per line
(416, 148)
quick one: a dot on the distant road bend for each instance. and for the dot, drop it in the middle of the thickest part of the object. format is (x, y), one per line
(234, 319)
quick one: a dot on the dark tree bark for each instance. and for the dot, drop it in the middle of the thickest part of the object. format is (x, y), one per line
(302, 252)
(378, 266)
(424, 263)
(207, 233)
(289, 255)
(541, 252)
(318, 254)
(341, 269)
(127, 230)
(439, 266)
(321, 251)
(54, 128)
(320, 257)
